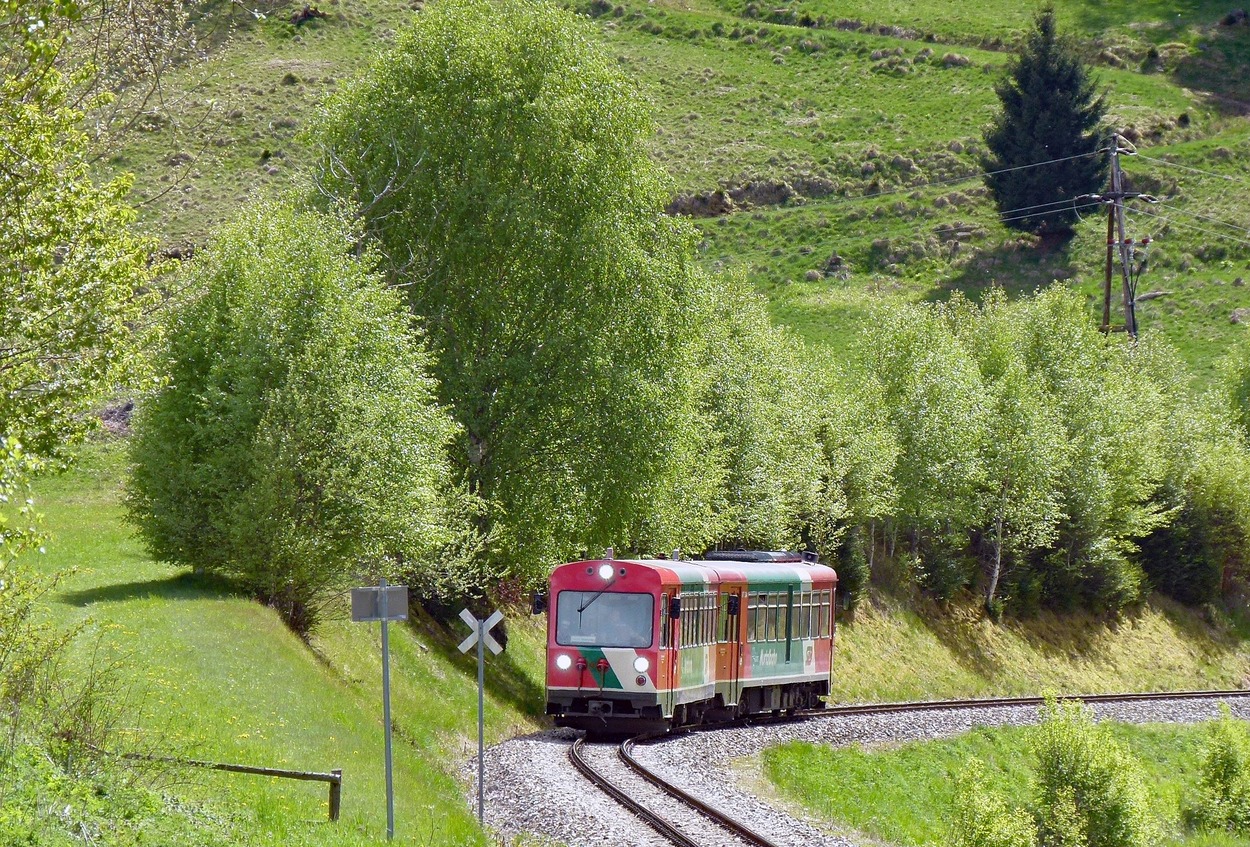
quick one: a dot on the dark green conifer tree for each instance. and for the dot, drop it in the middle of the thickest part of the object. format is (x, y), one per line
(1051, 112)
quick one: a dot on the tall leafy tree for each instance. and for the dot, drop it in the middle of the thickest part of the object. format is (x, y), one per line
(497, 157)
(1025, 449)
(1051, 112)
(72, 276)
(296, 443)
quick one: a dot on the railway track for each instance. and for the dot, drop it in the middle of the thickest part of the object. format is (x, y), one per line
(657, 818)
(741, 833)
(998, 702)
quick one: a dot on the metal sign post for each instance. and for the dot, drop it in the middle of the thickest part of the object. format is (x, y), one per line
(481, 636)
(376, 604)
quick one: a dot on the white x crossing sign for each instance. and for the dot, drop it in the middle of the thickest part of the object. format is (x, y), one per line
(486, 626)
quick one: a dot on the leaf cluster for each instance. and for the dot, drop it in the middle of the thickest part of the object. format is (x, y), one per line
(1223, 796)
(1033, 446)
(297, 442)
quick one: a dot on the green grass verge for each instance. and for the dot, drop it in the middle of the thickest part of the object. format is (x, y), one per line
(209, 674)
(893, 651)
(903, 795)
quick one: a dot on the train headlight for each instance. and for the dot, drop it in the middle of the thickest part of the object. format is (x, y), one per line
(605, 571)
(641, 664)
(564, 661)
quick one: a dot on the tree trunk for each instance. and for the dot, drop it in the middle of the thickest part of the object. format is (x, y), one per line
(998, 559)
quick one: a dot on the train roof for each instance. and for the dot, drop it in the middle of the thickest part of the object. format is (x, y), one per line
(753, 572)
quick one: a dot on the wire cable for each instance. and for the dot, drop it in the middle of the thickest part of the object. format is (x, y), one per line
(1212, 174)
(1004, 220)
(1208, 218)
(907, 189)
(1184, 225)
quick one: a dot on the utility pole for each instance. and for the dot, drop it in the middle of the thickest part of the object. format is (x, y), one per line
(1117, 189)
(1114, 200)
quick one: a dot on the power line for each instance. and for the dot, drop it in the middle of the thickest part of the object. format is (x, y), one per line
(1212, 174)
(1204, 230)
(1003, 219)
(907, 189)
(1208, 218)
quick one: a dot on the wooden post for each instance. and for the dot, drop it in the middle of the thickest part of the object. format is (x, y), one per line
(336, 794)
(1106, 290)
(1117, 189)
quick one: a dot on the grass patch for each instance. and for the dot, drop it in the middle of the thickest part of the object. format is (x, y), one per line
(892, 652)
(213, 675)
(903, 795)
(859, 98)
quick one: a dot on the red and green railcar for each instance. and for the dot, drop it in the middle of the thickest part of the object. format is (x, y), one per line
(639, 644)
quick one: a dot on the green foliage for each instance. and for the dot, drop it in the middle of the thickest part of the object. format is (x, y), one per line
(932, 395)
(1050, 110)
(72, 277)
(1236, 384)
(1091, 792)
(1025, 451)
(1023, 439)
(296, 443)
(497, 157)
(1113, 416)
(1223, 797)
(757, 409)
(981, 818)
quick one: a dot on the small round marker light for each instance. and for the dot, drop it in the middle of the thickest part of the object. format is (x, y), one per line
(605, 571)
(564, 661)
(641, 664)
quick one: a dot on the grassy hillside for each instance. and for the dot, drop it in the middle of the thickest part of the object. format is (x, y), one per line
(212, 675)
(847, 135)
(206, 673)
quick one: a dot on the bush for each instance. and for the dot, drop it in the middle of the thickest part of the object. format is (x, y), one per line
(1179, 560)
(1223, 801)
(296, 444)
(1091, 792)
(852, 567)
(982, 818)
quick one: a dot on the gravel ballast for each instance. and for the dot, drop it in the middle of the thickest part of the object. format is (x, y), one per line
(531, 788)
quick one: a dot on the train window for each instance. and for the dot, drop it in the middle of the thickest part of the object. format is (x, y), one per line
(664, 621)
(761, 616)
(604, 619)
(723, 628)
(770, 626)
(825, 611)
(803, 628)
(787, 624)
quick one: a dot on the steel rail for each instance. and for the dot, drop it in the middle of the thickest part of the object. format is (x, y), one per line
(653, 820)
(626, 752)
(996, 702)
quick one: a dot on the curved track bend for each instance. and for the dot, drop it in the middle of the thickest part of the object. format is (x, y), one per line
(741, 833)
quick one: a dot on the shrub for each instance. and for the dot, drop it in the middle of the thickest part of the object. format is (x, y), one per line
(1091, 792)
(983, 819)
(296, 442)
(1223, 801)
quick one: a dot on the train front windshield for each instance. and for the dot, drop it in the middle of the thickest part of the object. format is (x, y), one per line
(600, 619)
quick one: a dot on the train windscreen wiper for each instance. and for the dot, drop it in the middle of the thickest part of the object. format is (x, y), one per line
(597, 595)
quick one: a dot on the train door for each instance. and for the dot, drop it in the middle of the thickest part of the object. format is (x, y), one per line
(670, 635)
(729, 647)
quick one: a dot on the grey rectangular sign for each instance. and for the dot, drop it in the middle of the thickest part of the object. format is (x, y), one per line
(366, 605)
